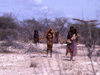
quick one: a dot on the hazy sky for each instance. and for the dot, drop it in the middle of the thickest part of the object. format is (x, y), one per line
(25, 9)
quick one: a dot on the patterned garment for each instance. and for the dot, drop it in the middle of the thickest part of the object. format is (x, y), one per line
(73, 48)
(49, 40)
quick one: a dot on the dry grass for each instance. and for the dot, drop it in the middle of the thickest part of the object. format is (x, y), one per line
(33, 64)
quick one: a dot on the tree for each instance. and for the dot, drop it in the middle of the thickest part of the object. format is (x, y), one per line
(8, 26)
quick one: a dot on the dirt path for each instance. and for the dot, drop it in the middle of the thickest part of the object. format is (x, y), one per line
(39, 64)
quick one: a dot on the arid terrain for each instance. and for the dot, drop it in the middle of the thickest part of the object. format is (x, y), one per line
(19, 58)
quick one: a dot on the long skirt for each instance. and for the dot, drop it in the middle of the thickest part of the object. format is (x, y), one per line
(72, 48)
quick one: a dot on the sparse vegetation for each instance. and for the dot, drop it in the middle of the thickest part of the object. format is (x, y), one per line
(33, 64)
(18, 36)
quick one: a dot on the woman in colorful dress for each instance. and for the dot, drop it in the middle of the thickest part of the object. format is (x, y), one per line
(72, 42)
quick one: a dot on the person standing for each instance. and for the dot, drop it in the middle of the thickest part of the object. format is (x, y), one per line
(36, 37)
(72, 42)
(49, 38)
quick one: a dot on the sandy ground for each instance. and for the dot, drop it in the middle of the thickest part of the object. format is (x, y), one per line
(30, 59)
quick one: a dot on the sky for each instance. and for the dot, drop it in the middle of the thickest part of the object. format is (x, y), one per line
(28, 9)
